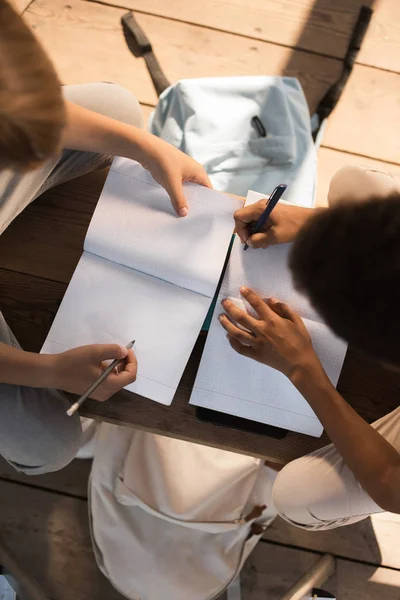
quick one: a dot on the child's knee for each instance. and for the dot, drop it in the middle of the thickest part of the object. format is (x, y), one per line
(359, 184)
(108, 99)
(53, 449)
(122, 105)
(292, 494)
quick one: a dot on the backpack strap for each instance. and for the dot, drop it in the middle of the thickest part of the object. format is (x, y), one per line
(140, 46)
(329, 101)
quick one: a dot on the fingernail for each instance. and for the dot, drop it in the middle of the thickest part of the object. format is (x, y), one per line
(273, 300)
(221, 318)
(183, 212)
(225, 302)
(124, 351)
(249, 243)
(244, 290)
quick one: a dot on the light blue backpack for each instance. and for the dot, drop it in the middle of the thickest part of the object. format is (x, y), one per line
(247, 132)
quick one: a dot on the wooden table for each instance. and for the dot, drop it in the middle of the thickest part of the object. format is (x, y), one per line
(369, 388)
(38, 254)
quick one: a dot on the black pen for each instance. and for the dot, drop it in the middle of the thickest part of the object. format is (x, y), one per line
(271, 203)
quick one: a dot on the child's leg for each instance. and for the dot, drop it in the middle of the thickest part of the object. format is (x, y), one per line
(17, 190)
(360, 183)
(319, 491)
(36, 435)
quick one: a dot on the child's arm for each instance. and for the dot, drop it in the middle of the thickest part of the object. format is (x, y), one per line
(72, 371)
(89, 131)
(278, 338)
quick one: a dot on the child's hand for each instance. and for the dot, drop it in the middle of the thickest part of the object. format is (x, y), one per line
(75, 370)
(277, 337)
(283, 225)
(171, 167)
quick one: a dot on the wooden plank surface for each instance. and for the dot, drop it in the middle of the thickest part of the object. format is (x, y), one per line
(46, 240)
(294, 23)
(99, 52)
(374, 540)
(269, 571)
(357, 581)
(30, 303)
(56, 549)
(49, 535)
(320, 26)
(367, 387)
(30, 299)
(72, 480)
(367, 116)
(21, 5)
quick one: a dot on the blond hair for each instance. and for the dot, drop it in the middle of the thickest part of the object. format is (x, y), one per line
(32, 111)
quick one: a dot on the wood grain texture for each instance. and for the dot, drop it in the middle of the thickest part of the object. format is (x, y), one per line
(29, 305)
(367, 387)
(72, 480)
(367, 116)
(320, 26)
(363, 122)
(99, 52)
(326, 29)
(271, 570)
(57, 550)
(21, 5)
(356, 581)
(49, 535)
(373, 540)
(30, 300)
(46, 240)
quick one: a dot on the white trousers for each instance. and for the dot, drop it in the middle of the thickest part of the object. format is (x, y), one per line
(318, 491)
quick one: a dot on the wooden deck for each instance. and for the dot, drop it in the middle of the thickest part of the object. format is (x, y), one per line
(45, 518)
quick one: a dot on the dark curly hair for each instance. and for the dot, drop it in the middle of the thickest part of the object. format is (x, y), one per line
(347, 261)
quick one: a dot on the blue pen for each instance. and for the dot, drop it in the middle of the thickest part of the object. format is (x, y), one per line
(271, 203)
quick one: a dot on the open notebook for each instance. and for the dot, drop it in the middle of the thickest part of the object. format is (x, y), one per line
(146, 275)
(234, 384)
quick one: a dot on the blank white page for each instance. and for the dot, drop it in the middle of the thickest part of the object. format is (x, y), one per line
(107, 303)
(135, 225)
(234, 384)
